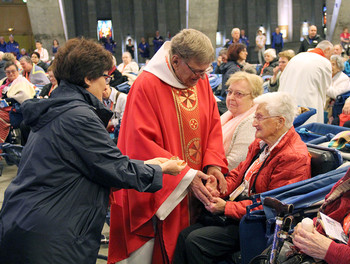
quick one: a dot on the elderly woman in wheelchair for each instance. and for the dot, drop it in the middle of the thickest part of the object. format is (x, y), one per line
(276, 158)
(15, 89)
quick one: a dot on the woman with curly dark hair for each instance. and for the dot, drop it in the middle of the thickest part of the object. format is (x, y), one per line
(54, 210)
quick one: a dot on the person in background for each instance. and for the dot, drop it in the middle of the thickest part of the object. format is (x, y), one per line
(276, 158)
(115, 101)
(130, 48)
(117, 77)
(345, 40)
(109, 44)
(8, 56)
(277, 40)
(128, 68)
(157, 41)
(170, 111)
(33, 73)
(55, 46)
(12, 46)
(2, 65)
(236, 56)
(237, 130)
(283, 58)
(338, 50)
(235, 33)
(48, 88)
(260, 42)
(36, 60)
(221, 59)
(69, 165)
(2, 44)
(271, 62)
(143, 50)
(13, 86)
(244, 39)
(310, 41)
(307, 77)
(44, 55)
(22, 53)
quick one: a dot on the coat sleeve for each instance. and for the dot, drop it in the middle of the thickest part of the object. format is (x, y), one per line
(102, 161)
(338, 254)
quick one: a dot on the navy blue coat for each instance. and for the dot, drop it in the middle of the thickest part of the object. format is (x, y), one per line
(54, 209)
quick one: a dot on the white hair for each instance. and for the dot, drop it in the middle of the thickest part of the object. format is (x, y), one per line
(234, 30)
(271, 52)
(324, 44)
(279, 104)
(339, 60)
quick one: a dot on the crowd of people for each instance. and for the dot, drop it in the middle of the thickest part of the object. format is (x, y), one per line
(175, 163)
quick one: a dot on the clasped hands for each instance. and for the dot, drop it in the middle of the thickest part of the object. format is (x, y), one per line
(209, 193)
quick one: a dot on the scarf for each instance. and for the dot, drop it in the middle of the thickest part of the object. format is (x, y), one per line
(229, 125)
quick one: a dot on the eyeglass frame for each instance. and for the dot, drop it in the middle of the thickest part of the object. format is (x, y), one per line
(201, 73)
(108, 78)
(262, 118)
(240, 96)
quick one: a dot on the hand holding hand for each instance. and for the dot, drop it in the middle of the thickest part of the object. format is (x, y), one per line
(199, 189)
(217, 206)
(212, 185)
(213, 170)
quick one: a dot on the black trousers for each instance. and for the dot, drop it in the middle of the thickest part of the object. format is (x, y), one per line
(206, 244)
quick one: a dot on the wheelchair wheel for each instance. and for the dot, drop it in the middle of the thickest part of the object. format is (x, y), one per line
(260, 259)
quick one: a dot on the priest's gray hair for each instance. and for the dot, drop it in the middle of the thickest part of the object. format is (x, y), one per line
(191, 44)
(279, 104)
(339, 60)
(324, 44)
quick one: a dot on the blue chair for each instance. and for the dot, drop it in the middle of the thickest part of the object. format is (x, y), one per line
(302, 118)
(310, 132)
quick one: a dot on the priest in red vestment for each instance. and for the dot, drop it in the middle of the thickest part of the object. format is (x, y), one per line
(171, 111)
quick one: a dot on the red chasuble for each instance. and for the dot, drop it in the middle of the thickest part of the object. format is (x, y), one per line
(154, 125)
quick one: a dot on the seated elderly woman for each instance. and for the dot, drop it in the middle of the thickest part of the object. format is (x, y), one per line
(128, 67)
(340, 81)
(271, 61)
(238, 132)
(13, 88)
(276, 158)
(315, 243)
(340, 84)
(284, 58)
(236, 56)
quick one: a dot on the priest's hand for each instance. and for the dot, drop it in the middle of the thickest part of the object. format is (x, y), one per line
(215, 171)
(173, 167)
(212, 186)
(199, 189)
(217, 206)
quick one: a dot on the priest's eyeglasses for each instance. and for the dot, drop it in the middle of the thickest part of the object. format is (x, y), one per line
(196, 72)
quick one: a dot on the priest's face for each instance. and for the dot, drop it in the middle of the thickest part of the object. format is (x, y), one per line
(188, 71)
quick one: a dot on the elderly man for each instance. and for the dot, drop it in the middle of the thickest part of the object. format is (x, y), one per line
(2, 44)
(307, 77)
(235, 33)
(171, 111)
(311, 40)
(12, 46)
(35, 74)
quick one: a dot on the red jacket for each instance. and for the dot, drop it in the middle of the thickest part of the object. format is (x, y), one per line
(338, 253)
(288, 162)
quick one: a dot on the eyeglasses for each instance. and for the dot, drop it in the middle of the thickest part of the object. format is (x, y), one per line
(108, 78)
(9, 72)
(260, 118)
(236, 94)
(195, 72)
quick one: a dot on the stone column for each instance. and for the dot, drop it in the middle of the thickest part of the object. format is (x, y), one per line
(203, 16)
(47, 25)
